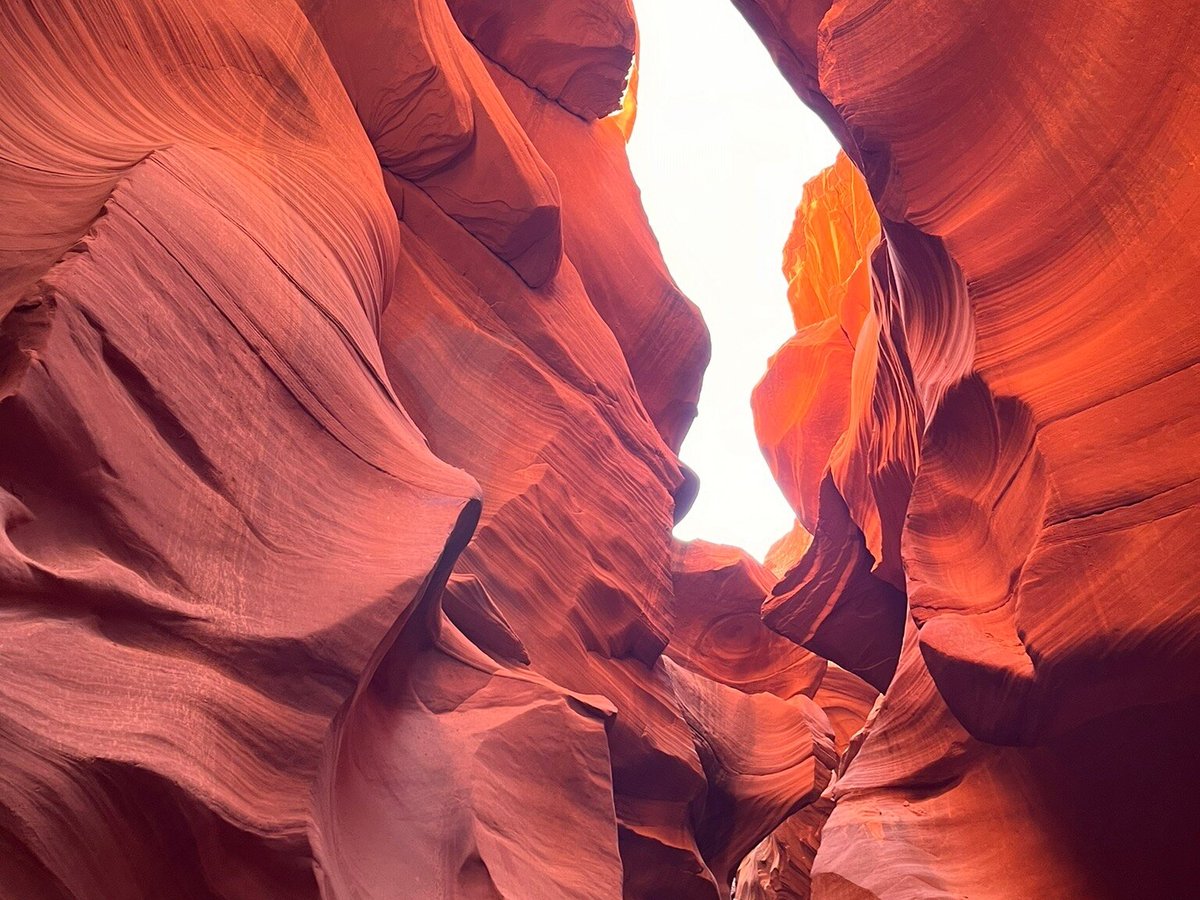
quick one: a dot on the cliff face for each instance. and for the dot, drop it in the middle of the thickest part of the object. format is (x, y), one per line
(341, 385)
(1007, 441)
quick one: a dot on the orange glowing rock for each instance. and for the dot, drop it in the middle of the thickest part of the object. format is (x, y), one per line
(802, 405)
(801, 411)
(1017, 464)
(626, 117)
(826, 257)
(788, 550)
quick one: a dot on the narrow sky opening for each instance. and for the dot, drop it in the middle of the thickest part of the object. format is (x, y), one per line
(721, 150)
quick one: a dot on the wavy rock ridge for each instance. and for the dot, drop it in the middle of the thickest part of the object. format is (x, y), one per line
(992, 446)
(341, 386)
(339, 472)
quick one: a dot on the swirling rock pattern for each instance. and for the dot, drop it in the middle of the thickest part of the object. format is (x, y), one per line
(1014, 471)
(718, 631)
(780, 867)
(338, 471)
(203, 461)
(341, 385)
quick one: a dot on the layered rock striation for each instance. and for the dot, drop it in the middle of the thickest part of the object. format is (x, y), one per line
(341, 389)
(997, 466)
(342, 384)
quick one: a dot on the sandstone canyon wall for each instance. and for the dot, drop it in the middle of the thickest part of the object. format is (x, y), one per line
(987, 422)
(341, 387)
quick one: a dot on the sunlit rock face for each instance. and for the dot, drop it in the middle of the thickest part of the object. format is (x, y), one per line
(341, 386)
(802, 405)
(1004, 451)
(829, 597)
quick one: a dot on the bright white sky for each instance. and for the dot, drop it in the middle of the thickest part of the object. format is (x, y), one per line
(721, 149)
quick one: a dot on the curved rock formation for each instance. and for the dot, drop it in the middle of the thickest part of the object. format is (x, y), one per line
(1104, 810)
(718, 632)
(780, 867)
(436, 119)
(341, 385)
(802, 405)
(203, 461)
(577, 53)
(1013, 473)
(338, 472)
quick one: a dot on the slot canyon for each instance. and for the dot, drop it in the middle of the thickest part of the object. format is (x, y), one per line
(342, 391)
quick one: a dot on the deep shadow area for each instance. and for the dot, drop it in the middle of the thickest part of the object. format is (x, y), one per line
(1116, 808)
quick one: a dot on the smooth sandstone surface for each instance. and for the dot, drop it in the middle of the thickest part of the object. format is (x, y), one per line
(1017, 460)
(577, 53)
(341, 386)
(781, 865)
(339, 474)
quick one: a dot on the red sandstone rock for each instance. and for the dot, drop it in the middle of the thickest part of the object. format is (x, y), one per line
(831, 602)
(780, 866)
(445, 716)
(847, 701)
(719, 636)
(526, 420)
(236, 411)
(659, 330)
(833, 598)
(434, 116)
(1014, 464)
(764, 758)
(802, 409)
(340, 387)
(718, 632)
(926, 810)
(576, 52)
(1015, 347)
(203, 464)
